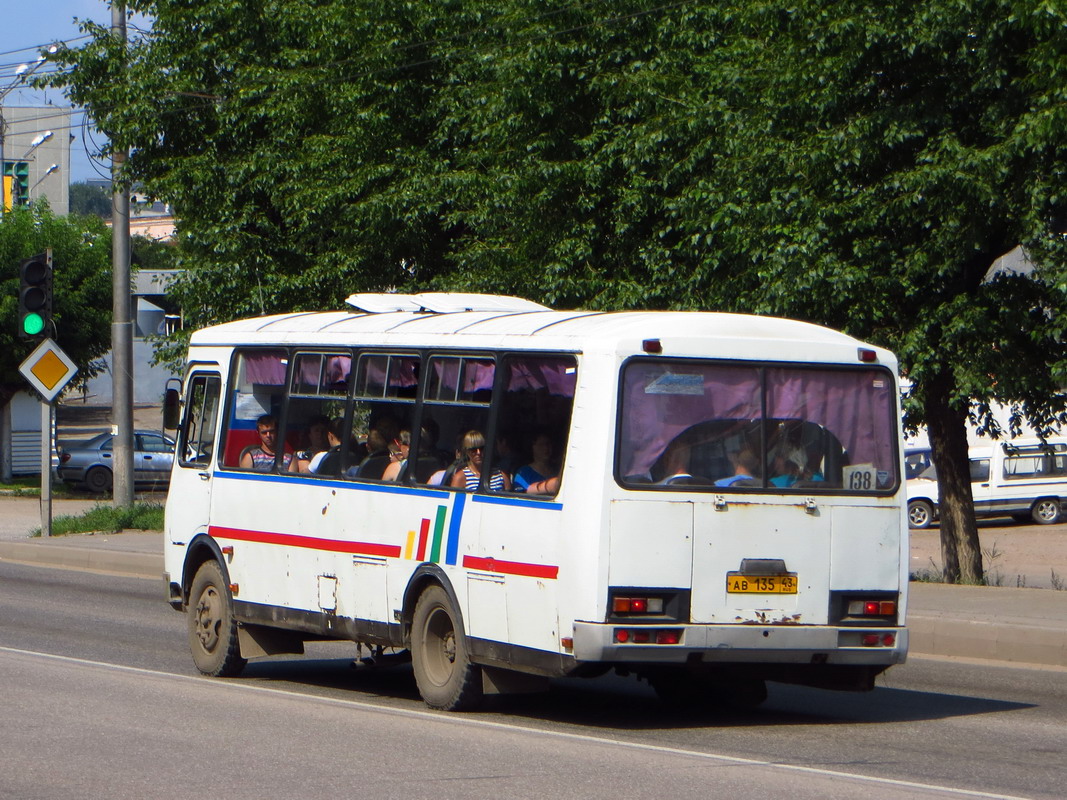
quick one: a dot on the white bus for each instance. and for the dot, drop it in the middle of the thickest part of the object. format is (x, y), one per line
(717, 500)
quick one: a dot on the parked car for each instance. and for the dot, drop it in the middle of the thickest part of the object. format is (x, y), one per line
(89, 463)
(1025, 479)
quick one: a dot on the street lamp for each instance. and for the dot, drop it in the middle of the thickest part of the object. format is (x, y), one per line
(37, 183)
(38, 140)
(22, 71)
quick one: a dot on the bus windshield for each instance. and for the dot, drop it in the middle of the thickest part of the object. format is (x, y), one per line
(756, 427)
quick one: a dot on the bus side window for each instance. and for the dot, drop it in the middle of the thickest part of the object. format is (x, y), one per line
(257, 389)
(315, 412)
(534, 421)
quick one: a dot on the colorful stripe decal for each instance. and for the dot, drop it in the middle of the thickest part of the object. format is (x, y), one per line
(310, 542)
(409, 545)
(453, 530)
(511, 567)
(424, 533)
(438, 531)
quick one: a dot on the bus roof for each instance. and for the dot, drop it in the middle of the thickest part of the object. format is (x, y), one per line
(437, 319)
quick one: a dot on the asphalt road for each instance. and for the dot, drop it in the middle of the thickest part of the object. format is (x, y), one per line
(101, 700)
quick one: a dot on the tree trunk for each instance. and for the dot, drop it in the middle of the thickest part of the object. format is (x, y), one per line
(961, 551)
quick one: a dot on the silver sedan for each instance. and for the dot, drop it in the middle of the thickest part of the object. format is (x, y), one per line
(89, 463)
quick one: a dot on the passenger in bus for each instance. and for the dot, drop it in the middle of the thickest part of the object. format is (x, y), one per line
(546, 486)
(786, 472)
(746, 468)
(676, 463)
(470, 475)
(378, 456)
(318, 441)
(443, 477)
(261, 457)
(399, 451)
(541, 466)
(328, 462)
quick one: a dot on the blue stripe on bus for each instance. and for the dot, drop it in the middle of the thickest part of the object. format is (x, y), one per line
(453, 529)
(270, 477)
(496, 500)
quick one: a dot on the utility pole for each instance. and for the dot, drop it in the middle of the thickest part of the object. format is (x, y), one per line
(121, 322)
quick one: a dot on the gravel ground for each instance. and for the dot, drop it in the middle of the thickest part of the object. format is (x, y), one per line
(1012, 554)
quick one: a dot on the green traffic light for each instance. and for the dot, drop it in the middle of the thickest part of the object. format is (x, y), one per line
(32, 324)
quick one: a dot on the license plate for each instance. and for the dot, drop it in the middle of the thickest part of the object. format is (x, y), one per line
(736, 583)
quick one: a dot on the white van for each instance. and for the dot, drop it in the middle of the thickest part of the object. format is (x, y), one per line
(1024, 478)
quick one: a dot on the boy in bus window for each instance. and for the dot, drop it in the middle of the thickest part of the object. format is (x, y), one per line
(261, 457)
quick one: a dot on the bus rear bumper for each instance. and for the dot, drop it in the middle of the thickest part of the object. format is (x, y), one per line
(793, 644)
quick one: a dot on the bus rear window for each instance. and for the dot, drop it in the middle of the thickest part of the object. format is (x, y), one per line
(708, 425)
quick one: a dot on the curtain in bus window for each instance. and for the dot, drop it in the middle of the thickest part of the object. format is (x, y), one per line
(386, 375)
(321, 374)
(855, 406)
(461, 379)
(555, 375)
(264, 368)
(660, 401)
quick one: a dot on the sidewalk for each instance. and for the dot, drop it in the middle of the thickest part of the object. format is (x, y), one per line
(999, 624)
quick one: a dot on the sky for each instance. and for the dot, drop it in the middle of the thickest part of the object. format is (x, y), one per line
(28, 24)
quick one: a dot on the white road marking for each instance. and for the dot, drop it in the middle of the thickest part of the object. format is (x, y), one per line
(446, 717)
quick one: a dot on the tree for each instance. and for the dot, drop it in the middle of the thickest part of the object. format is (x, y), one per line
(858, 166)
(85, 198)
(81, 255)
(894, 152)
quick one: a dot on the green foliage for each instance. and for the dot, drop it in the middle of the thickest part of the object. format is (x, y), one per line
(85, 198)
(108, 519)
(855, 165)
(81, 254)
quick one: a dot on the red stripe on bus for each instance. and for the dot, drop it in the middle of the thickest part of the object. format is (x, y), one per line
(424, 532)
(511, 567)
(310, 542)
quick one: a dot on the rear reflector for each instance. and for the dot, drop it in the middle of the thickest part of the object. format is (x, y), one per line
(648, 636)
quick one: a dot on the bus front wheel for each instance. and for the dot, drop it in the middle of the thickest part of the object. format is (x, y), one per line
(212, 627)
(445, 676)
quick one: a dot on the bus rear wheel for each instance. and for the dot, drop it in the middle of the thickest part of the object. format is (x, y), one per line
(212, 627)
(443, 671)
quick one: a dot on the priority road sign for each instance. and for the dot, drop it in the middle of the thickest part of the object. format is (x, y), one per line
(48, 369)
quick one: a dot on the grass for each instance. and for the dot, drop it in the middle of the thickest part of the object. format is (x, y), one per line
(107, 519)
(30, 486)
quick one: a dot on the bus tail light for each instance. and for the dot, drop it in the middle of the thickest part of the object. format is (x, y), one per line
(637, 605)
(872, 608)
(648, 636)
(878, 639)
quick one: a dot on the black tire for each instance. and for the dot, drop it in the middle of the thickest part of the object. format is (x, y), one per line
(445, 676)
(1046, 511)
(98, 479)
(212, 627)
(920, 514)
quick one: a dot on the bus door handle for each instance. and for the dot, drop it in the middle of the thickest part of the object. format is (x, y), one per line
(204, 476)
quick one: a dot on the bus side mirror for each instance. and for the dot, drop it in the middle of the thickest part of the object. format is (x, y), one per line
(171, 409)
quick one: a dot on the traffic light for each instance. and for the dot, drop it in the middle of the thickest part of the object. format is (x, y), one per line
(35, 296)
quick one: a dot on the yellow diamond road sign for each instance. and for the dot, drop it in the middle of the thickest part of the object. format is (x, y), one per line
(48, 369)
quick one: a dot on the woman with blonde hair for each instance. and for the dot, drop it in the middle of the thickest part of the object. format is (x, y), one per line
(470, 476)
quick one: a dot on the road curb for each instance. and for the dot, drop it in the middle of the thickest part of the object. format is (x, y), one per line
(986, 640)
(112, 562)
